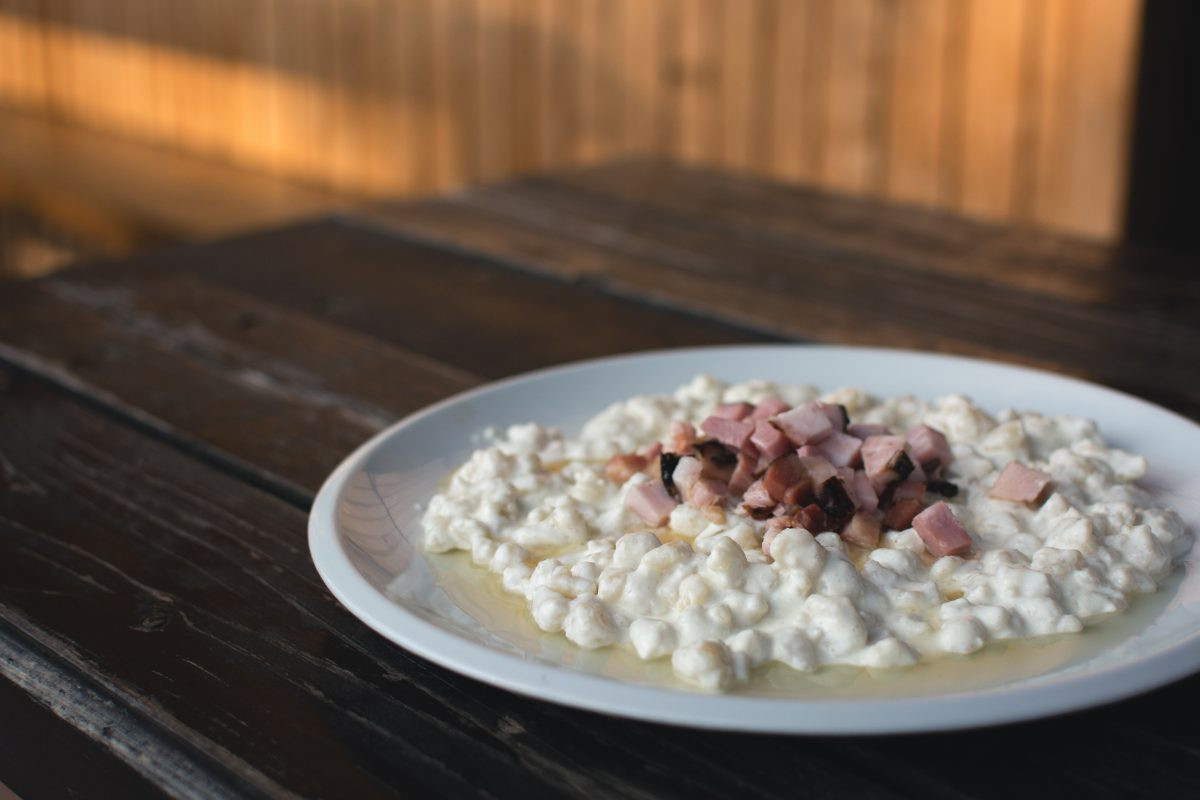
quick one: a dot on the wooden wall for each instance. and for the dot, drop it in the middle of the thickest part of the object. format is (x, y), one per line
(1005, 109)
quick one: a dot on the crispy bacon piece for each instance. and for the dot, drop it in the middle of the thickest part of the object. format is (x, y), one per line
(682, 437)
(729, 432)
(929, 448)
(783, 473)
(624, 466)
(885, 460)
(743, 474)
(806, 424)
(863, 529)
(899, 515)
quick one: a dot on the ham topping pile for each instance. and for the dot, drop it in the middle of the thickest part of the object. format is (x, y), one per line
(810, 467)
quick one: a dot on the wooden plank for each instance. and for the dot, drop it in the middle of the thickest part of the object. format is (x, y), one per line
(763, 282)
(122, 335)
(470, 313)
(753, 210)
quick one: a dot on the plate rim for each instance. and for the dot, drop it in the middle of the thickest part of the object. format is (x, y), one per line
(730, 712)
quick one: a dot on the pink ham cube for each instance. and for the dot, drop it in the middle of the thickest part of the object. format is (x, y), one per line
(929, 448)
(864, 492)
(941, 531)
(768, 408)
(864, 429)
(706, 492)
(728, 432)
(1020, 484)
(863, 530)
(885, 460)
(842, 449)
(806, 424)
(770, 442)
(651, 503)
(734, 411)
(743, 474)
(835, 415)
(756, 496)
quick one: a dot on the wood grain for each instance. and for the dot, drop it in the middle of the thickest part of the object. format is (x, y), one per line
(959, 105)
(178, 604)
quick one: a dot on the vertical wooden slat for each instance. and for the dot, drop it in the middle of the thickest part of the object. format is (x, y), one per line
(700, 121)
(638, 76)
(1088, 71)
(991, 107)
(559, 109)
(672, 74)
(790, 120)
(493, 61)
(526, 89)
(845, 159)
(915, 113)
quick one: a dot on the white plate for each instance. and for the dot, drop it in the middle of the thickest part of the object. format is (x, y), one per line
(364, 538)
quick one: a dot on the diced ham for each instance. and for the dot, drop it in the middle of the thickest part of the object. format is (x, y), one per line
(651, 452)
(768, 408)
(941, 531)
(929, 448)
(743, 474)
(864, 492)
(756, 496)
(687, 472)
(810, 451)
(908, 490)
(863, 530)
(885, 461)
(783, 473)
(806, 424)
(817, 468)
(1020, 484)
(706, 492)
(811, 518)
(836, 414)
(842, 449)
(775, 526)
(719, 461)
(650, 502)
(682, 437)
(833, 497)
(770, 442)
(729, 432)
(624, 466)
(899, 515)
(734, 411)
(864, 429)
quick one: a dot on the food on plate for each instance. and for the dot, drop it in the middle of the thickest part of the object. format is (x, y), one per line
(724, 527)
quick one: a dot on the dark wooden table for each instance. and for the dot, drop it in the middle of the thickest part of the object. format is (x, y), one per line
(165, 421)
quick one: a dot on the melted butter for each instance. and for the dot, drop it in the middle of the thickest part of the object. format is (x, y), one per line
(480, 594)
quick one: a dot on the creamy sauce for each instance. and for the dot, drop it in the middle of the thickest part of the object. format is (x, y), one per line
(700, 602)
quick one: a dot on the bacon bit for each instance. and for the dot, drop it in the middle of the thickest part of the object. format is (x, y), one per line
(768, 408)
(682, 436)
(729, 432)
(863, 529)
(885, 461)
(734, 411)
(941, 531)
(783, 473)
(624, 466)
(651, 503)
(899, 515)
(811, 518)
(1020, 484)
(806, 424)
(834, 499)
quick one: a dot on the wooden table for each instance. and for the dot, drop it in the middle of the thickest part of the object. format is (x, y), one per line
(165, 421)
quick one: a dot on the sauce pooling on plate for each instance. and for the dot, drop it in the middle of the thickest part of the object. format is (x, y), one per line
(724, 528)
